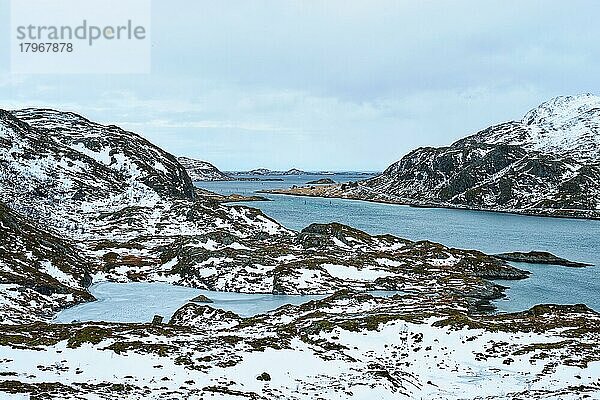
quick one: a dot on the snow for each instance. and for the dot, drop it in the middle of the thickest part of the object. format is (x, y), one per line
(387, 262)
(439, 262)
(238, 246)
(353, 273)
(565, 125)
(307, 278)
(50, 269)
(102, 156)
(159, 167)
(206, 272)
(208, 245)
(169, 264)
(448, 361)
(289, 369)
(339, 243)
(96, 367)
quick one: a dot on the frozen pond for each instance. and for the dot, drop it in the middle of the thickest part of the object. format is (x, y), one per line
(139, 302)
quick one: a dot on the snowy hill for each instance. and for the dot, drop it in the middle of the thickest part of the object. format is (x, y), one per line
(37, 266)
(565, 125)
(546, 164)
(133, 214)
(56, 165)
(202, 170)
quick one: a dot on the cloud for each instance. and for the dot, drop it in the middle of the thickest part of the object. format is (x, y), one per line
(164, 123)
(336, 84)
(10, 80)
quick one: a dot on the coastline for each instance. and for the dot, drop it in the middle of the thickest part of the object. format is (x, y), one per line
(307, 192)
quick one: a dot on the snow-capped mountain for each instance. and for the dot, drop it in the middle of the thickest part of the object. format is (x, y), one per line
(202, 170)
(566, 125)
(546, 164)
(266, 171)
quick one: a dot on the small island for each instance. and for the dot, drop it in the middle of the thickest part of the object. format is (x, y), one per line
(322, 181)
(201, 299)
(539, 257)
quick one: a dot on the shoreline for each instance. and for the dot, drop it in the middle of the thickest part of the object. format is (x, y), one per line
(294, 192)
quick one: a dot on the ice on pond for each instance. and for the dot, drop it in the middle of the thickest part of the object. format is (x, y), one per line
(139, 302)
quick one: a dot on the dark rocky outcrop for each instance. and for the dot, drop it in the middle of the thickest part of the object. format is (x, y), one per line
(201, 299)
(322, 181)
(539, 257)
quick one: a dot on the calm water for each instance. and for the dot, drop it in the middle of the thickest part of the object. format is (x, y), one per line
(578, 240)
(250, 187)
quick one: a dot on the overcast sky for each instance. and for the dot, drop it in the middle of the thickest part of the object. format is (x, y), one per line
(332, 85)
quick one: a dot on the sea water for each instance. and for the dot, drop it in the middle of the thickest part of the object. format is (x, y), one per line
(490, 232)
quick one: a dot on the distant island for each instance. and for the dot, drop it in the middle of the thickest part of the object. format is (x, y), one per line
(540, 257)
(265, 171)
(202, 171)
(297, 172)
(322, 181)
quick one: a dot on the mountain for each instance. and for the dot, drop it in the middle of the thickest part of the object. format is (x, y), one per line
(265, 171)
(55, 166)
(548, 163)
(129, 212)
(202, 170)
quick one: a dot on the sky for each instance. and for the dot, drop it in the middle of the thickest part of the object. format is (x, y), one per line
(329, 85)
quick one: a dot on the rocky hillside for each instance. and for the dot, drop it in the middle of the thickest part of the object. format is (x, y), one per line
(548, 163)
(37, 266)
(202, 170)
(82, 202)
(130, 212)
(56, 165)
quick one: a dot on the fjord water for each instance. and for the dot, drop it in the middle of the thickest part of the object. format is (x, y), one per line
(574, 239)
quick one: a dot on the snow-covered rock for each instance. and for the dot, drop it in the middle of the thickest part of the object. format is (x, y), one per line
(202, 170)
(40, 273)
